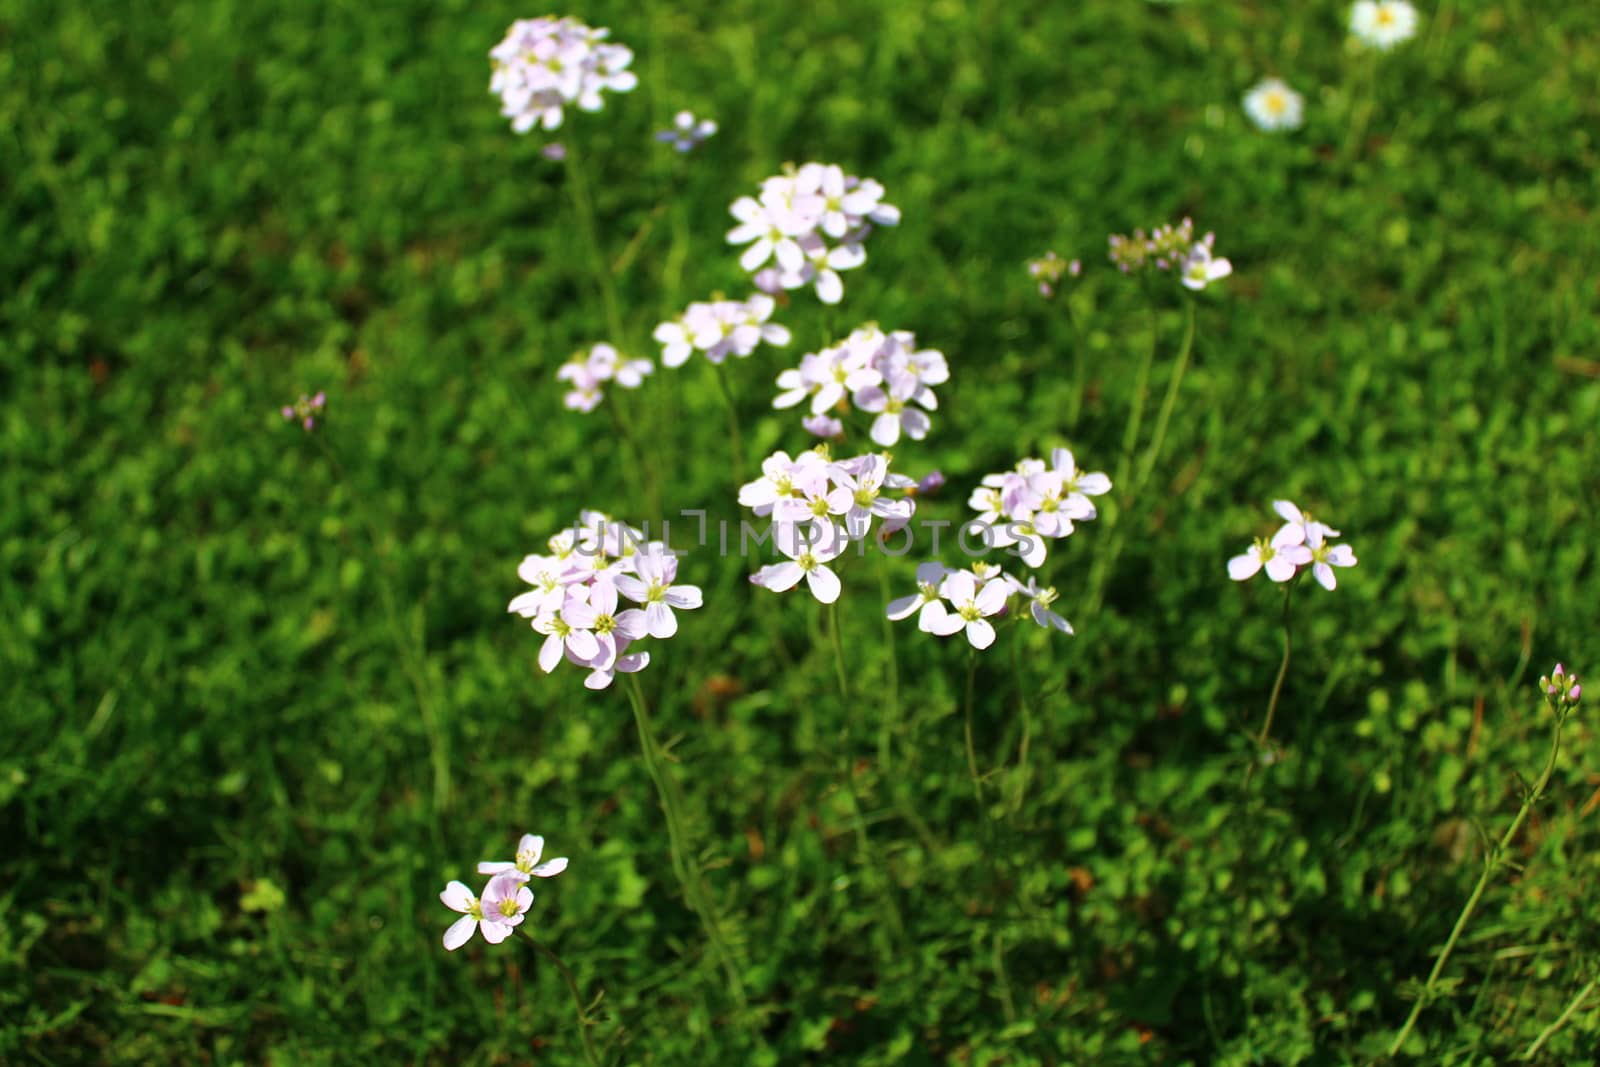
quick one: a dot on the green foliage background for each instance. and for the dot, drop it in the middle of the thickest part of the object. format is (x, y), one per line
(246, 741)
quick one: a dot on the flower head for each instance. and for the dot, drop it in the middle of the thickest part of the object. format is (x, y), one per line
(720, 328)
(1273, 106)
(1200, 268)
(587, 372)
(1561, 690)
(305, 411)
(686, 132)
(1048, 270)
(546, 64)
(526, 864)
(1033, 502)
(1300, 542)
(813, 221)
(883, 374)
(1382, 24)
(574, 598)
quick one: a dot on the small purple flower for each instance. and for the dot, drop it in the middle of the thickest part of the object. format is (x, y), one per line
(555, 151)
(931, 483)
(687, 133)
(305, 411)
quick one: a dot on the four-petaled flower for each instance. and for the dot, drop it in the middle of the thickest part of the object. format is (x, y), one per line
(687, 133)
(526, 864)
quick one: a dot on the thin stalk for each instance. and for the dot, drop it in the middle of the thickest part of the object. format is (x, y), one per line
(1277, 686)
(890, 720)
(1491, 864)
(838, 656)
(1153, 454)
(1079, 369)
(578, 185)
(412, 655)
(1141, 391)
(735, 436)
(972, 755)
(1027, 721)
(577, 998)
(684, 864)
(1545, 1034)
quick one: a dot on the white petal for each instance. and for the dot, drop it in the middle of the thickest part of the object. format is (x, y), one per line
(457, 897)
(980, 633)
(824, 584)
(460, 932)
(903, 607)
(1243, 567)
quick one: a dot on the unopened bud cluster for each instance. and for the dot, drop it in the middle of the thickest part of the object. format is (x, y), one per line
(1561, 690)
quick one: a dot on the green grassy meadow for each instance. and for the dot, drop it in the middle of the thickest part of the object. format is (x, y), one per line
(263, 698)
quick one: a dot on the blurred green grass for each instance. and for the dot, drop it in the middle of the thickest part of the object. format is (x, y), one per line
(216, 784)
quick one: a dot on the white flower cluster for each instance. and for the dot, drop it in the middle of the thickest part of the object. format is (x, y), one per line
(883, 374)
(1299, 543)
(975, 595)
(720, 328)
(587, 372)
(544, 64)
(813, 222)
(505, 900)
(819, 506)
(1034, 502)
(573, 601)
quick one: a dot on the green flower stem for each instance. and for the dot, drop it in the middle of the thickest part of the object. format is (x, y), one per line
(577, 997)
(1491, 864)
(684, 864)
(735, 436)
(1545, 1034)
(1017, 675)
(1153, 454)
(412, 654)
(1277, 685)
(578, 185)
(972, 755)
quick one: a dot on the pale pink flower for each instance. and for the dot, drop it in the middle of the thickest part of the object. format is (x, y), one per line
(526, 864)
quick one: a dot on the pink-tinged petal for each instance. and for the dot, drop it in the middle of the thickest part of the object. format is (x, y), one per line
(583, 645)
(1288, 512)
(599, 680)
(460, 932)
(930, 572)
(494, 932)
(494, 868)
(525, 604)
(603, 597)
(550, 653)
(1030, 549)
(1280, 569)
(830, 289)
(939, 622)
(532, 844)
(550, 868)
(457, 897)
(1324, 575)
(1299, 555)
(579, 615)
(959, 587)
(684, 597)
(790, 256)
(824, 584)
(634, 624)
(525, 895)
(781, 577)
(993, 597)
(1095, 484)
(902, 607)
(1243, 567)
(632, 663)
(886, 429)
(1342, 556)
(981, 633)
(756, 254)
(631, 587)
(659, 620)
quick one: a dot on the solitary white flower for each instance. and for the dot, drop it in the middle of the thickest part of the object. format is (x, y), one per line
(687, 133)
(657, 571)
(1200, 268)
(1039, 601)
(1281, 562)
(1383, 23)
(1273, 106)
(932, 617)
(1298, 527)
(972, 605)
(1325, 557)
(527, 865)
(810, 547)
(457, 897)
